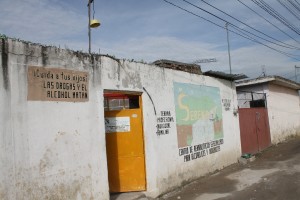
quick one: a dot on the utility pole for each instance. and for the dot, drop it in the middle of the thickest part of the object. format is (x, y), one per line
(226, 26)
(296, 73)
(263, 70)
(92, 23)
(89, 27)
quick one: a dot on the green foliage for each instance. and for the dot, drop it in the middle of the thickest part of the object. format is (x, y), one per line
(3, 36)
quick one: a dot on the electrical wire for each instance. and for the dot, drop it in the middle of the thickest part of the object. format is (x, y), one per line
(288, 8)
(267, 40)
(294, 5)
(274, 11)
(193, 13)
(292, 47)
(252, 39)
(276, 15)
(269, 22)
(283, 53)
(297, 2)
(279, 51)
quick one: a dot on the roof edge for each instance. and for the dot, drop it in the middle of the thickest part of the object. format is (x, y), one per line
(225, 76)
(278, 80)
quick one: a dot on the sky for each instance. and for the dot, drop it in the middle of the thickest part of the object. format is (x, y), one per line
(149, 30)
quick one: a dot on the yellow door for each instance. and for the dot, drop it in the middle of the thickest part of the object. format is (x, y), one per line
(125, 147)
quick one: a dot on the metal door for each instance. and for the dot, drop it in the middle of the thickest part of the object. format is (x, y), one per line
(125, 149)
(262, 128)
(254, 128)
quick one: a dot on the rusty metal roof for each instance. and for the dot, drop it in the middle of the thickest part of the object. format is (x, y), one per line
(186, 67)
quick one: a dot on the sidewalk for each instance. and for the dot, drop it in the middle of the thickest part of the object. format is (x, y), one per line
(275, 174)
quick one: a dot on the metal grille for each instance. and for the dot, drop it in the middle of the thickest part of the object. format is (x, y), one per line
(251, 99)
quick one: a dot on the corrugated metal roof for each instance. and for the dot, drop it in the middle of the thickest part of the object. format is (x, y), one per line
(222, 75)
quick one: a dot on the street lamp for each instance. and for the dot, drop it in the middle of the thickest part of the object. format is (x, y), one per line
(94, 23)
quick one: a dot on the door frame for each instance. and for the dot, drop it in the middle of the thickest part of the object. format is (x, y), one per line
(120, 93)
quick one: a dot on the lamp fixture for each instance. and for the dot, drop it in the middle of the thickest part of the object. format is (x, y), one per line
(94, 23)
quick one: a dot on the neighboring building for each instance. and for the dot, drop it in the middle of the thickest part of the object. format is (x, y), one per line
(280, 97)
(76, 126)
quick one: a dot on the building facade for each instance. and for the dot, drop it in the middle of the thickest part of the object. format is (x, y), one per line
(281, 100)
(77, 126)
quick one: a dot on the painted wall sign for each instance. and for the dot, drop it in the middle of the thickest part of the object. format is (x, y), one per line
(117, 124)
(226, 103)
(200, 150)
(164, 122)
(53, 84)
(198, 118)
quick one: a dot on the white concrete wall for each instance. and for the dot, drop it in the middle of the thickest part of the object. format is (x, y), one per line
(164, 167)
(283, 106)
(5, 140)
(51, 150)
(56, 150)
(284, 112)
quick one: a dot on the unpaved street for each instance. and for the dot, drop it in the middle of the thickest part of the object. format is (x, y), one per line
(275, 174)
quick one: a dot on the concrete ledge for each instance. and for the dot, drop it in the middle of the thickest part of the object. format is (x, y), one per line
(128, 196)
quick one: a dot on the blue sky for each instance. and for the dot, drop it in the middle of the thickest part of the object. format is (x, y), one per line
(148, 30)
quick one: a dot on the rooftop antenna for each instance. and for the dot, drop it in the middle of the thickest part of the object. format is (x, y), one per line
(263, 71)
(205, 60)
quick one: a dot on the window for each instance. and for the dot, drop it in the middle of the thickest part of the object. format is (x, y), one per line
(117, 101)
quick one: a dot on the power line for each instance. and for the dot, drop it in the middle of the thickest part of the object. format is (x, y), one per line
(276, 15)
(241, 31)
(269, 22)
(279, 51)
(294, 5)
(286, 6)
(251, 39)
(297, 2)
(293, 47)
(193, 13)
(236, 26)
(274, 11)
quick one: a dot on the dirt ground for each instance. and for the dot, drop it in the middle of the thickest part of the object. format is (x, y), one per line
(274, 175)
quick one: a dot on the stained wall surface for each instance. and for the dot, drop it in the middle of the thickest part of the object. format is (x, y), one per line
(55, 149)
(284, 112)
(283, 106)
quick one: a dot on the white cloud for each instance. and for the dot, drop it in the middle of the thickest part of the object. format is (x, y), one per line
(142, 30)
(39, 20)
(248, 60)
